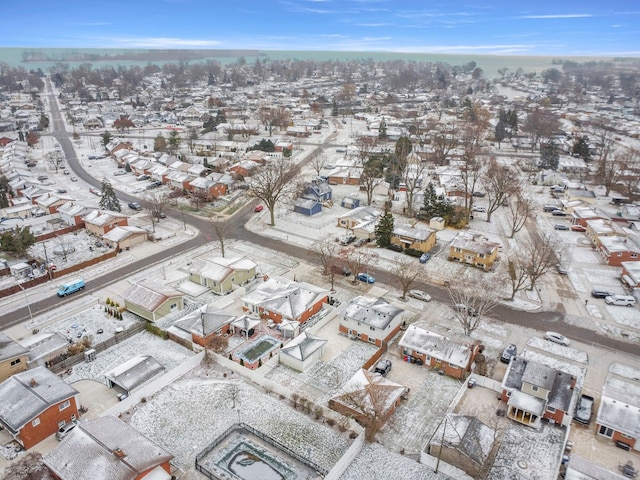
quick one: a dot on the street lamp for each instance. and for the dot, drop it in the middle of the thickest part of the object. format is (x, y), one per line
(27, 300)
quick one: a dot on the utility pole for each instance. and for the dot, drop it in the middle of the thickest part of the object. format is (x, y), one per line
(28, 304)
(46, 258)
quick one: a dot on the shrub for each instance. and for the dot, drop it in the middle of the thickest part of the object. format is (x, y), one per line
(412, 252)
(395, 248)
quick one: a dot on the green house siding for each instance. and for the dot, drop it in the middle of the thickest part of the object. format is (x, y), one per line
(238, 277)
(160, 312)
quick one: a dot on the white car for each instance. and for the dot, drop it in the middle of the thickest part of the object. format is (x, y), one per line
(557, 338)
(478, 209)
(420, 295)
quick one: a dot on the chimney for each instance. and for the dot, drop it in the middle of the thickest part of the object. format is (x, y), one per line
(33, 382)
(119, 453)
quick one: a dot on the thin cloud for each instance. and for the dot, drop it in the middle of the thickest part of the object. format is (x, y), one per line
(165, 42)
(564, 15)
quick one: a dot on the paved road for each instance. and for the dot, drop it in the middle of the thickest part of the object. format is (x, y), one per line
(537, 320)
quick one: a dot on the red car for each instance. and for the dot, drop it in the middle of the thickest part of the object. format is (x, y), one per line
(578, 228)
(258, 208)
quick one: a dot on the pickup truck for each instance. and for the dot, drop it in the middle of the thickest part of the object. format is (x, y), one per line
(584, 410)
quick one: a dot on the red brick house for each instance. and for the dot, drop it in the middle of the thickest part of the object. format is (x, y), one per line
(616, 250)
(103, 221)
(35, 404)
(201, 326)
(280, 299)
(371, 319)
(618, 417)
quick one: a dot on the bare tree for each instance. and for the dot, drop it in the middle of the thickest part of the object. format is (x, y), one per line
(472, 301)
(327, 252)
(29, 467)
(406, 271)
(517, 274)
(444, 139)
(520, 210)
(273, 184)
(540, 124)
(318, 161)
(500, 182)
(221, 229)
(156, 204)
(629, 161)
(412, 177)
(356, 259)
(608, 164)
(64, 243)
(542, 253)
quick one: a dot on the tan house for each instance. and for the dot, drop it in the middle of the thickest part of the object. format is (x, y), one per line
(417, 238)
(13, 357)
(126, 237)
(35, 404)
(152, 301)
(220, 274)
(100, 222)
(473, 249)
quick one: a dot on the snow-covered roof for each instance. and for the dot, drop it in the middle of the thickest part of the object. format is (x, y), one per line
(10, 348)
(118, 234)
(373, 311)
(467, 434)
(474, 242)
(208, 317)
(105, 448)
(102, 217)
(367, 392)
(28, 394)
(134, 372)
(44, 343)
(150, 296)
(417, 233)
(437, 346)
(620, 406)
(303, 346)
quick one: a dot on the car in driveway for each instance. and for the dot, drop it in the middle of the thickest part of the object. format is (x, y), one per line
(556, 337)
(135, 206)
(65, 430)
(143, 177)
(578, 228)
(477, 208)
(595, 293)
(424, 258)
(622, 300)
(584, 410)
(383, 367)
(420, 295)
(366, 278)
(558, 213)
(561, 226)
(508, 353)
(120, 171)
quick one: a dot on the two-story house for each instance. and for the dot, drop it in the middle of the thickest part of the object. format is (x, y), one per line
(618, 417)
(417, 238)
(35, 404)
(13, 357)
(371, 319)
(473, 249)
(220, 274)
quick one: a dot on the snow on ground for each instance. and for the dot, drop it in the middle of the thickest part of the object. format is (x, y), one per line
(374, 462)
(323, 381)
(186, 417)
(626, 317)
(415, 420)
(618, 332)
(626, 371)
(526, 453)
(89, 321)
(168, 353)
(559, 350)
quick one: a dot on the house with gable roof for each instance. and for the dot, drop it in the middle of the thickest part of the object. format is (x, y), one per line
(220, 274)
(113, 449)
(302, 352)
(618, 417)
(417, 238)
(201, 325)
(13, 357)
(152, 301)
(473, 249)
(132, 374)
(35, 404)
(534, 391)
(280, 299)
(440, 353)
(100, 222)
(371, 319)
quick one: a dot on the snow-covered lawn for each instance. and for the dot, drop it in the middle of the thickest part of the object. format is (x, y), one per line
(626, 371)
(88, 322)
(526, 453)
(559, 350)
(168, 353)
(626, 317)
(186, 416)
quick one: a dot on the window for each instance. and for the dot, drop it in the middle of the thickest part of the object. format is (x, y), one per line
(457, 250)
(174, 306)
(534, 388)
(35, 422)
(634, 255)
(64, 405)
(606, 431)
(551, 410)
(372, 328)
(481, 255)
(73, 417)
(203, 281)
(371, 340)
(15, 362)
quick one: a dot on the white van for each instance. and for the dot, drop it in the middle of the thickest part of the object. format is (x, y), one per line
(624, 300)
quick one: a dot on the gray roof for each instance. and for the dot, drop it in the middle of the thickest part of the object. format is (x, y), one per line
(90, 452)
(26, 395)
(135, 372)
(303, 346)
(437, 346)
(417, 233)
(467, 434)
(208, 317)
(10, 348)
(373, 311)
(620, 406)
(150, 296)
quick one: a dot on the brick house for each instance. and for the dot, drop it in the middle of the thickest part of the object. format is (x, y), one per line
(100, 222)
(618, 417)
(440, 353)
(406, 236)
(473, 249)
(371, 319)
(35, 404)
(616, 250)
(280, 299)
(13, 357)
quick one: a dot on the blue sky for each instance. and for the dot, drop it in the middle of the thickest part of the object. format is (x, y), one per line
(541, 27)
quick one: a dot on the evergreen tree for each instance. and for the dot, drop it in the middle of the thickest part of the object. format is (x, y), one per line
(581, 148)
(433, 206)
(512, 122)
(106, 138)
(549, 155)
(17, 241)
(174, 141)
(384, 230)
(334, 108)
(160, 144)
(109, 201)
(382, 131)
(500, 132)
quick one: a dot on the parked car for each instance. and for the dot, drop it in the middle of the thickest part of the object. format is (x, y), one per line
(584, 411)
(135, 206)
(143, 177)
(600, 293)
(623, 300)
(383, 367)
(347, 239)
(561, 226)
(61, 190)
(508, 353)
(558, 213)
(424, 258)
(420, 295)
(346, 271)
(42, 178)
(550, 208)
(578, 228)
(94, 190)
(478, 208)
(119, 172)
(478, 194)
(556, 337)
(73, 179)
(258, 208)
(562, 270)
(65, 430)
(365, 277)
